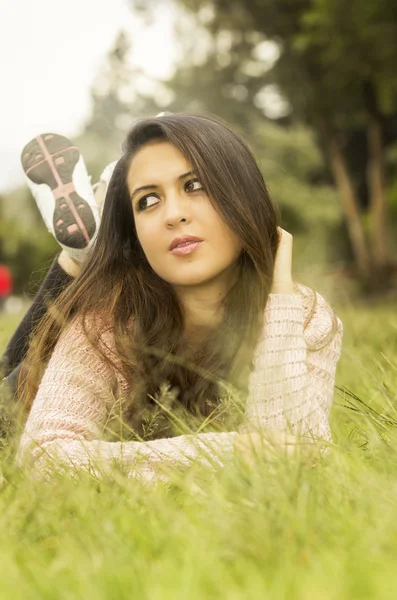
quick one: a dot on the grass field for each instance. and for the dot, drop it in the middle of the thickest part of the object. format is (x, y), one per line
(295, 531)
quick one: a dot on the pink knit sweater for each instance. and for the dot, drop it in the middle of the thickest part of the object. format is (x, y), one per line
(290, 387)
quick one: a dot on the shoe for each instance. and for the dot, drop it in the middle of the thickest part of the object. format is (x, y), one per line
(58, 179)
(101, 187)
(107, 173)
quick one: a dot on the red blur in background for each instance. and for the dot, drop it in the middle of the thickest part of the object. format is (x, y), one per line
(5, 281)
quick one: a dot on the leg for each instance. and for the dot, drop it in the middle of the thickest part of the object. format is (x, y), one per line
(56, 175)
(55, 282)
(53, 167)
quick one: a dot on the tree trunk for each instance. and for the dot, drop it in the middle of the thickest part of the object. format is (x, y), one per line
(376, 187)
(376, 182)
(350, 206)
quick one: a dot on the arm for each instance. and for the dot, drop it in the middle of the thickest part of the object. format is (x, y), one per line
(323, 333)
(292, 384)
(69, 414)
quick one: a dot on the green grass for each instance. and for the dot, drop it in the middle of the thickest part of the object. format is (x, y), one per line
(295, 530)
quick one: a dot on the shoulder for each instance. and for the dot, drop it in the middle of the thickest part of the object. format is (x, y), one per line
(91, 342)
(91, 334)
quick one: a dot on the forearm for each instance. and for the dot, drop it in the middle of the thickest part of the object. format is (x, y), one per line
(52, 451)
(292, 384)
(278, 380)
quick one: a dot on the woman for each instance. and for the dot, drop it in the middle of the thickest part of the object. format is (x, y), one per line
(188, 287)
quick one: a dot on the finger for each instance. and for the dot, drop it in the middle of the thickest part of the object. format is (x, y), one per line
(283, 262)
(282, 274)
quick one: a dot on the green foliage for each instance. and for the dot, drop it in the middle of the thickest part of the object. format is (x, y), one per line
(328, 52)
(363, 51)
(25, 244)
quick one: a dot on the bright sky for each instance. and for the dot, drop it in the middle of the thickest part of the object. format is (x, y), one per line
(50, 53)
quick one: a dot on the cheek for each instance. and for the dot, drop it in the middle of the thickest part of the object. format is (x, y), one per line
(143, 234)
(226, 240)
(149, 240)
(216, 229)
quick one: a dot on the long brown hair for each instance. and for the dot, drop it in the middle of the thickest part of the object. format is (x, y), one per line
(142, 310)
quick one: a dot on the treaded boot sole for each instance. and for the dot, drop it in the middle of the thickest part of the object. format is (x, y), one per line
(51, 159)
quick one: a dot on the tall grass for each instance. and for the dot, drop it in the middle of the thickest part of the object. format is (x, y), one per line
(297, 530)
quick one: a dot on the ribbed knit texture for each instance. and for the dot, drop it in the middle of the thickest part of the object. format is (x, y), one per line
(290, 388)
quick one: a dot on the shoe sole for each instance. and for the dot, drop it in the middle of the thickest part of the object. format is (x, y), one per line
(50, 159)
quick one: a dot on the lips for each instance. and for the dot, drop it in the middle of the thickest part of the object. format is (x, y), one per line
(184, 241)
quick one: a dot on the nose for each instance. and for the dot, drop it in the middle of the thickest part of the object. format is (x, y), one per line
(176, 209)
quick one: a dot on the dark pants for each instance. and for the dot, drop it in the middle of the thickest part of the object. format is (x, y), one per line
(54, 283)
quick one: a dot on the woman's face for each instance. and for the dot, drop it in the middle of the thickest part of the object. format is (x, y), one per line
(169, 205)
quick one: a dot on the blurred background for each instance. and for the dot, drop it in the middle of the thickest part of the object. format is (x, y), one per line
(310, 84)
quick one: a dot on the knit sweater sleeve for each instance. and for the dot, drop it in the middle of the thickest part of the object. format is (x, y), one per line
(66, 424)
(292, 384)
(68, 420)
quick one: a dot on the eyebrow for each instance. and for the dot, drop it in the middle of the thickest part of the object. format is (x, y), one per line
(155, 187)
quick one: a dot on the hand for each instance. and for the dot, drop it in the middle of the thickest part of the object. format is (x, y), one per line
(282, 282)
(251, 446)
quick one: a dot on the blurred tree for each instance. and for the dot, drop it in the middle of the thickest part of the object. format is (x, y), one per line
(333, 68)
(354, 50)
(116, 102)
(25, 244)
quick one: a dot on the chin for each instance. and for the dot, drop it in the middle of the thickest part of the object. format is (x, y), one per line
(188, 279)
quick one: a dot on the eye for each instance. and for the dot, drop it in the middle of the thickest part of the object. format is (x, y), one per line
(193, 185)
(147, 202)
